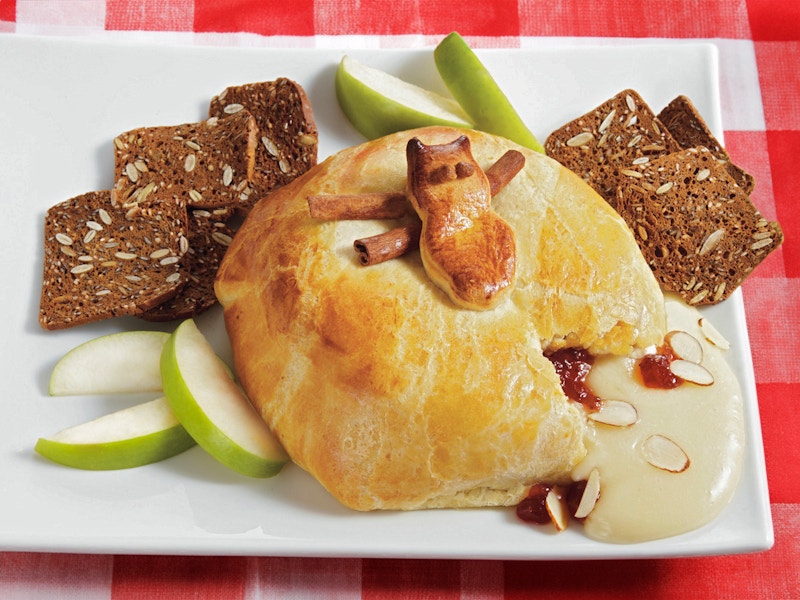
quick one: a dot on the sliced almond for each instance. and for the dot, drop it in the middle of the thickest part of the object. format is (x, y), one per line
(591, 493)
(685, 346)
(663, 453)
(615, 412)
(691, 372)
(556, 505)
(712, 334)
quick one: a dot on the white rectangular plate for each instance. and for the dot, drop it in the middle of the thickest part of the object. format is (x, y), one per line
(61, 104)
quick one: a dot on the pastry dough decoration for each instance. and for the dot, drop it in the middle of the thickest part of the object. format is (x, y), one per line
(467, 249)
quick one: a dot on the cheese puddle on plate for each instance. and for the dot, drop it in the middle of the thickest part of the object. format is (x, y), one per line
(639, 502)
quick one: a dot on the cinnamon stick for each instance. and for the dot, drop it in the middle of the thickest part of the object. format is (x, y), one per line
(504, 170)
(377, 205)
(396, 242)
(386, 246)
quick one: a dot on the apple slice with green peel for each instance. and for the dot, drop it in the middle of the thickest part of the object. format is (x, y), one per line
(213, 409)
(118, 363)
(131, 437)
(378, 104)
(478, 93)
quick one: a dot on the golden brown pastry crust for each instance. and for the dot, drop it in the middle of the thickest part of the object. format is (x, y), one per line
(383, 389)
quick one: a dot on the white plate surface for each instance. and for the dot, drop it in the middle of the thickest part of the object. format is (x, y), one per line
(61, 104)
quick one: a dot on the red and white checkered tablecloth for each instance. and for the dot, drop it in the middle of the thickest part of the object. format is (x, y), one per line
(759, 49)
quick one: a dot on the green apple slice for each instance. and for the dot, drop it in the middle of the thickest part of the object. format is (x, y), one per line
(478, 93)
(118, 363)
(131, 437)
(378, 104)
(213, 409)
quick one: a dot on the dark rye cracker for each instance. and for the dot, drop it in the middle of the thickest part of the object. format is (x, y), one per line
(696, 227)
(102, 260)
(687, 126)
(621, 133)
(209, 237)
(287, 131)
(204, 165)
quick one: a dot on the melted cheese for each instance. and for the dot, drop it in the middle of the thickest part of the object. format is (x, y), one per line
(639, 502)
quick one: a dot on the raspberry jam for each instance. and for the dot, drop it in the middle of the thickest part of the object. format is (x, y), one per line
(532, 508)
(655, 372)
(573, 366)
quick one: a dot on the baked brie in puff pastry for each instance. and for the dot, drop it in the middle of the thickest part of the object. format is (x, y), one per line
(390, 394)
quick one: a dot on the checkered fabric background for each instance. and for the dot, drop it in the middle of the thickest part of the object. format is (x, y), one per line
(759, 43)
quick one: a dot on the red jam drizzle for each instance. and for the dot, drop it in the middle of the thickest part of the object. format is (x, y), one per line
(573, 366)
(532, 508)
(654, 370)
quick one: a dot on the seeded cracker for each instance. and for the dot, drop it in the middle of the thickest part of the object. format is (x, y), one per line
(621, 133)
(103, 261)
(209, 237)
(690, 130)
(287, 132)
(697, 229)
(204, 165)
